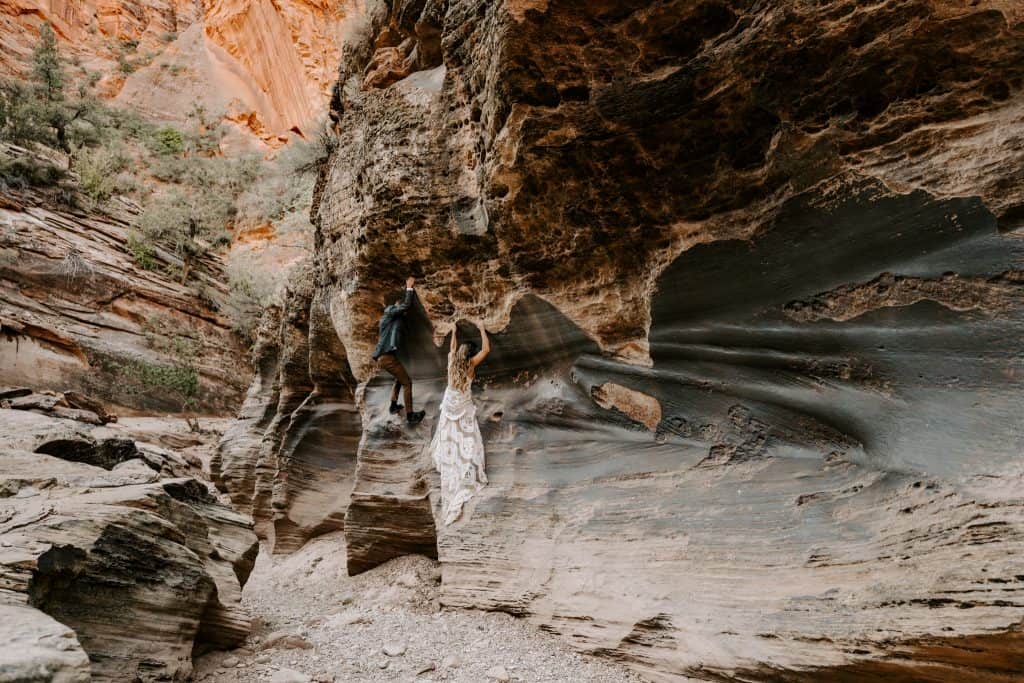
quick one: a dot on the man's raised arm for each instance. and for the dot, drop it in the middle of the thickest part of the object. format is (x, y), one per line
(409, 293)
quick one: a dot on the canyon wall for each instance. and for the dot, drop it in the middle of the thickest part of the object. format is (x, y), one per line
(266, 67)
(78, 312)
(754, 271)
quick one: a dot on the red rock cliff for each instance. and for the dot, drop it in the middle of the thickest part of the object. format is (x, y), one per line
(267, 66)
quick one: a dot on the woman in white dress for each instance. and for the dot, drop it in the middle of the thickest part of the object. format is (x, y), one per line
(458, 449)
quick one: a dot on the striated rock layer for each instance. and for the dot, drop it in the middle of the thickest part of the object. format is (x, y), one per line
(138, 559)
(78, 313)
(757, 277)
(289, 458)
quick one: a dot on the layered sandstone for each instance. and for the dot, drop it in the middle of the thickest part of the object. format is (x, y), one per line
(289, 458)
(134, 557)
(266, 67)
(77, 312)
(755, 275)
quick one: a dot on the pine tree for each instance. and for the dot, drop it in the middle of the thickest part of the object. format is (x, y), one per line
(47, 67)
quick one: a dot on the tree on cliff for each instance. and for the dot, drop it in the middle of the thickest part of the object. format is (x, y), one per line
(58, 111)
(47, 67)
(190, 223)
(40, 112)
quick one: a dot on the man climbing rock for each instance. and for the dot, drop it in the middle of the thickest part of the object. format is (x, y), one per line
(386, 354)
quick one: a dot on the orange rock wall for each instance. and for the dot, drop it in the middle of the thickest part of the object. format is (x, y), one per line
(266, 66)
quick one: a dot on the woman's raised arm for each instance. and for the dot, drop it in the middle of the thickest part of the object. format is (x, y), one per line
(485, 345)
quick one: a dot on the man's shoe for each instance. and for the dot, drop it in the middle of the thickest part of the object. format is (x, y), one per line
(415, 418)
(396, 408)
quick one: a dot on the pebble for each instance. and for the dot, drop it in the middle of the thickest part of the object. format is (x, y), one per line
(363, 614)
(230, 662)
(350, 617)
(288, 641)
(289, 676)
(498, 673)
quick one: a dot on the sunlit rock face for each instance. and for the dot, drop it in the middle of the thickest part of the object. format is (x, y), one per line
(753, 411)
(266, 67)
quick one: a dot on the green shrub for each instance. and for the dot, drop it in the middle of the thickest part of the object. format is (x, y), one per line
(143, 254)
(21, 173)
(250, 291)
(169, 37)
(97, 171)
(22, 119)
(128, 184)
(190, 223)
(168, 140)
(207, 130)
(126, 65)
(141, 377)
(129, 124)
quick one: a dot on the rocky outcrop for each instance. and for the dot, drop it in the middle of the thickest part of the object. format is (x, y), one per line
(143, 565)
(289, 459)
(267, 67)
(78, 313)
(38, 648)
(755, 274)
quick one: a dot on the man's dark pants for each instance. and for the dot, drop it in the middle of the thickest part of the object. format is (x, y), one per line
(390, 362)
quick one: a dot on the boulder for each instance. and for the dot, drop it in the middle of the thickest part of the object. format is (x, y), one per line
(289, 676)
(38, 648)
(144, 572)
(8, 393)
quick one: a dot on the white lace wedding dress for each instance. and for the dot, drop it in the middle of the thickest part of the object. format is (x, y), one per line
(458, 452)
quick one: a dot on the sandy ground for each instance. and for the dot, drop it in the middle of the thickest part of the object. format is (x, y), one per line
(315, 623)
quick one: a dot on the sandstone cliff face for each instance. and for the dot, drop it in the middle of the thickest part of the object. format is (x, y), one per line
(116, 568)
(756, 273)
(78, 313)
(266, 66)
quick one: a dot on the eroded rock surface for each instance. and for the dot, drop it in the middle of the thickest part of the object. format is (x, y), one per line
(289, 459)
(755, 269)
(77, 313)
(141, 566)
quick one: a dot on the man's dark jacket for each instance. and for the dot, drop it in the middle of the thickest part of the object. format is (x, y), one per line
(391, 324)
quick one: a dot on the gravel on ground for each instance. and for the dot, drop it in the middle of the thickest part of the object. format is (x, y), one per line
(314, 623)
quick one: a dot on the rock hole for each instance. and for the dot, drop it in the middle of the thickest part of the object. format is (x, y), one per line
(107, 454)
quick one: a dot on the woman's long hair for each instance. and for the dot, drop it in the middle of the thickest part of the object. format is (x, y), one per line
(458, 366)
